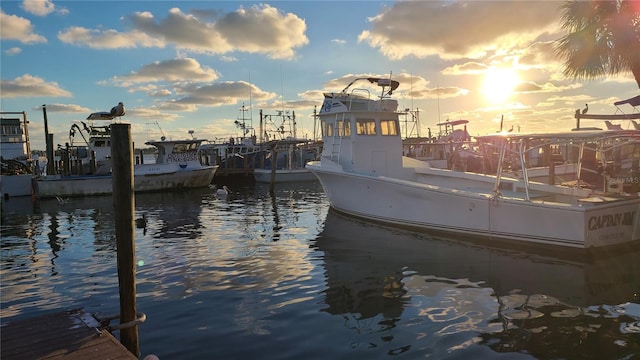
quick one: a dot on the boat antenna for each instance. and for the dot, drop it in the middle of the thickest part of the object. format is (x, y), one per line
(438, 99)
(159, 128)
(281, 90)
(250, 102)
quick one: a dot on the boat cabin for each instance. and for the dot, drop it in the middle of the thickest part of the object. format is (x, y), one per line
(14, 138)
(361, 133)
(184, 152)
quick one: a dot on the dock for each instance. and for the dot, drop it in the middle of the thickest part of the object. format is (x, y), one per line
(67, 335)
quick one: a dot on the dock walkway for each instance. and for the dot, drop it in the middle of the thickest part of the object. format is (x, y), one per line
(66, 335)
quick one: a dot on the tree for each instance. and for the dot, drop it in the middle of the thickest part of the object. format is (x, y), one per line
(603, 38)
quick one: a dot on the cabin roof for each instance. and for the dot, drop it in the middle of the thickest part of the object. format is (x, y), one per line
(166, 142)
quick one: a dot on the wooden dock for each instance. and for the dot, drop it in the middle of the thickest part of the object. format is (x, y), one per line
(67, 335)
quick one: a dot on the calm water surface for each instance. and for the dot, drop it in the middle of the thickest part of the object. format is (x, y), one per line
(260, 277)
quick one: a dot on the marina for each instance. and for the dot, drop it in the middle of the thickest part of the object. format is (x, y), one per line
(284, 277)
(279, 187)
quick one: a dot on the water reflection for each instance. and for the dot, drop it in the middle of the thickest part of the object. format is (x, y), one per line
(261, 276)
(437, 296)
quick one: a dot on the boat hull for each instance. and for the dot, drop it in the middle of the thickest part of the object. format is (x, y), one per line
(284, 175)
(16, 185)
(478, 213)
(144, 181)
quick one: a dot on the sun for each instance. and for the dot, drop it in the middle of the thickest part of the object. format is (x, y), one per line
(499, 84)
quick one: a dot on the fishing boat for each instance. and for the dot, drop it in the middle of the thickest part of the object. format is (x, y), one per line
(236, 156)
(86, 170)
(291, 156)
(557, 161)
(365, 174)
(15, 152)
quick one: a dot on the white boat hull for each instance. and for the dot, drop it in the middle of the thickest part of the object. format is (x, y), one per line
(146, 178)
(477, 213)
(284, 175)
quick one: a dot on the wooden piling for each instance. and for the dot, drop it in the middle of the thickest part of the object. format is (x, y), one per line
(124, 202)
(48, 139)
(274, 165)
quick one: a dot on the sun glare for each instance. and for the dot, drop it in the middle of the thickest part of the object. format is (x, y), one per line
(499, 84)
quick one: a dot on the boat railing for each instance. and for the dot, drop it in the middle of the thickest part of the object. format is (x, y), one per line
(603, 147)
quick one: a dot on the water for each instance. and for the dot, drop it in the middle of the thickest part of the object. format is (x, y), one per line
(256, 277)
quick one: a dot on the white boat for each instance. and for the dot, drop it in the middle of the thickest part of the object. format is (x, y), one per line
(17, 166)
(179, 164)
(364, 174)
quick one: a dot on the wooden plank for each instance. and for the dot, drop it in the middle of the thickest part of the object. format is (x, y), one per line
(64, 335)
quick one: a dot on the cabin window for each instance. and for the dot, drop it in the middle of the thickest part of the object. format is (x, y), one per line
(366, 127)
(347, 128)
(182, 148)
(343, 128)
(328, 129)
(389, 127)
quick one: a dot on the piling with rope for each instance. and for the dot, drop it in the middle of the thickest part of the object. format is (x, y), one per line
(124, 202)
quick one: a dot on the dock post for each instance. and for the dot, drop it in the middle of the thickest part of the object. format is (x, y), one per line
(274, 165)
(48, 138)
(124, 203)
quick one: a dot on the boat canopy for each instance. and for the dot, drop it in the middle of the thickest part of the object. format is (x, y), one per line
(634, 101)
(568, 135)
(101, 115)
(382, 82)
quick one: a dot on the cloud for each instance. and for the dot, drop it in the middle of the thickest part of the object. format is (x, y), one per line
(31, 86)
(473, 68)
(107, 39)
(225, 93)
(65, 108)
(38, 7)
(175, 70)
(17, 28)
(457, 29)
(539, 55)
(151, 113)
(263, 29)
(13, 51)
(257, 29)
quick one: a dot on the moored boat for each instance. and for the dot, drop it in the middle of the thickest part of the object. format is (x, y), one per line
(15, 155)
(364, 174)
(288, 166)
(179, 164)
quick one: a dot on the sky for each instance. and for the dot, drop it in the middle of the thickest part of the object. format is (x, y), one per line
(184, 67)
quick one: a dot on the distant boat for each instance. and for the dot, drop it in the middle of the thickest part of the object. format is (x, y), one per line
(179, 164)
(293, 154)
(450, 148)
(365, 175)
(17, 164)
(236, 157)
